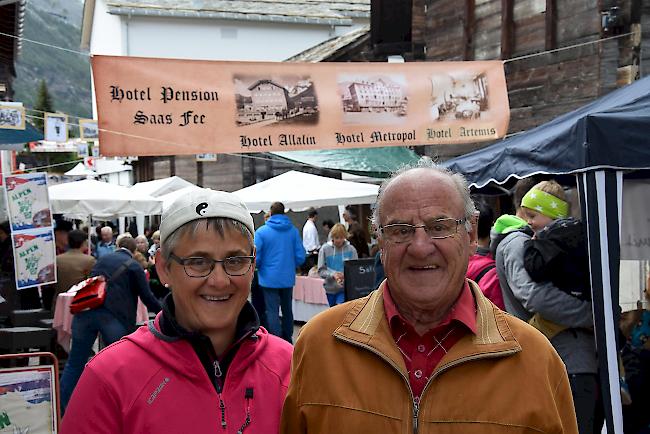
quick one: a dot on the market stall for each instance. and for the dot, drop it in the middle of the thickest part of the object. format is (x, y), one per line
(598, 143)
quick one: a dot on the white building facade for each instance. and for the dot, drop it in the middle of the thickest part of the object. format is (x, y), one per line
(215, 30)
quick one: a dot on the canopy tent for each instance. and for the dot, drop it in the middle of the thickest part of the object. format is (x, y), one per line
(159, 187)
(596, 143)
(299, 191)
(609, 133)
(169, 198)
(88, 197)
(80, 170)
(377, 162)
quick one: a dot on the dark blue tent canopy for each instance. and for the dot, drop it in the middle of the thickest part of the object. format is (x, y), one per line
(16, 139)
(611, 132)
(597, 143)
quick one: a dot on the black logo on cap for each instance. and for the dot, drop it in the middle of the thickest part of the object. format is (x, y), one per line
(200, 208)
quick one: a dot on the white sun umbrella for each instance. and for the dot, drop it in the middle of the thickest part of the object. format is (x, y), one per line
(160, 187)
(299, 191)
(169, 198)
(80, 170)
(101, 200)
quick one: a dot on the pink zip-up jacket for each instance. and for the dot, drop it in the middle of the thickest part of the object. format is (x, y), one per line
(150, 383)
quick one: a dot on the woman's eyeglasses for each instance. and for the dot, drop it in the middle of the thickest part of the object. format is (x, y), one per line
(198, 266)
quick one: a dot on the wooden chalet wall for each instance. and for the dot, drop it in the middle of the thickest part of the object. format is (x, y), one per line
(540, 87)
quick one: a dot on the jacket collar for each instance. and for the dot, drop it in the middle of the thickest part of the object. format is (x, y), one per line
(248, 322)
(365, 325)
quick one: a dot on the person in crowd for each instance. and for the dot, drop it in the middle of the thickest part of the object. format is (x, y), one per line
(106, 244)
(330, 263)
(115, 318)
(203, 365)
(482, 268)
(142, 244)
(544, 205)
(72, 267)
(327, 226)
(61, 230)
(636, 362)
(357, 236)
(427, 350)
(310, 241)
(279, 253)
(6, 249)
(155, 244)
(524, 298)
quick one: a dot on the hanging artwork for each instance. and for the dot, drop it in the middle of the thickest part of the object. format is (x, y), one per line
(56, 127)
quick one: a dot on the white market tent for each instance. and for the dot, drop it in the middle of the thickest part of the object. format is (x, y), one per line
(299, 191)
(169, 198)
(80, 170)
(159, 187)
(100, 200)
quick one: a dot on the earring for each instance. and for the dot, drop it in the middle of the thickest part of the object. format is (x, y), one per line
(166, 285)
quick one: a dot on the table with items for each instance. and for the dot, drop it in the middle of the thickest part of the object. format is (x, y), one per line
(62, 321)
(309, 298)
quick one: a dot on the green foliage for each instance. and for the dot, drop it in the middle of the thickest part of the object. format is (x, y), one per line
(42, 105)
(67, 74)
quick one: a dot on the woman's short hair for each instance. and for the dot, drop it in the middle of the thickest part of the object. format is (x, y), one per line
(338, 231)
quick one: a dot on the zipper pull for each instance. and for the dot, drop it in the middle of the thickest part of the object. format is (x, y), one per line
(416, 412)
(217, 369)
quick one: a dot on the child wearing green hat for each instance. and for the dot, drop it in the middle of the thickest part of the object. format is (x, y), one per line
(558, 251)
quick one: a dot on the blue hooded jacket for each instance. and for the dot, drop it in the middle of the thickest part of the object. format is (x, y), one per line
(279, 252)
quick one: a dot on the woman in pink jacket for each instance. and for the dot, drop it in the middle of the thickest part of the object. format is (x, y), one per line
(204, 365)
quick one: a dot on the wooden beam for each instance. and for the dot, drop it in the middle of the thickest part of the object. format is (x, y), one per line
(469, 30)
(507, 28)
(551, 25)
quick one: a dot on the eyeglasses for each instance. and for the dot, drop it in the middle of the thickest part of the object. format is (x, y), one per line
(435, 229)
(198, 266)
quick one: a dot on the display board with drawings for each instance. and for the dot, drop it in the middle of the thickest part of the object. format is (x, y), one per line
(29, 395)
(359, 277)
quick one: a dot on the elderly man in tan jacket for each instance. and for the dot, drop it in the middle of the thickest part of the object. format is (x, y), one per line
(426, 352)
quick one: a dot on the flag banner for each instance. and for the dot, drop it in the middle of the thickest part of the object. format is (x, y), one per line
(149, 106)
(34, 257)
(88, 129)
(12, 116)
(56, 127)
(28, 201)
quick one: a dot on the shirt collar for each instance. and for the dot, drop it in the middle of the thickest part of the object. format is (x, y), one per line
(463, 310)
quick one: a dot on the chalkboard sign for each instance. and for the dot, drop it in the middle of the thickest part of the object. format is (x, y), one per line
(359, 277)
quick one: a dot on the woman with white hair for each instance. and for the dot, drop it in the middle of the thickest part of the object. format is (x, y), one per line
(204, 365)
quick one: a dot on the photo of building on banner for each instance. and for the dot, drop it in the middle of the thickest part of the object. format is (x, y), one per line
(27, 400)
(146, 107)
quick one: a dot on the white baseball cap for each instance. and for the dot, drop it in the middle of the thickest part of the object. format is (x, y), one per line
(203, 203)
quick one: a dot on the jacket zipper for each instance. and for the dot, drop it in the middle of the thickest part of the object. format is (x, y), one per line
(416, 403)
(222, 406)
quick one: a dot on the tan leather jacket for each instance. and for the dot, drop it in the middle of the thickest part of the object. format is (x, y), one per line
(348, 376)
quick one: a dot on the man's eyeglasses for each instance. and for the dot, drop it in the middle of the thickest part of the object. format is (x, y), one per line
(198, 266)
(435, 229)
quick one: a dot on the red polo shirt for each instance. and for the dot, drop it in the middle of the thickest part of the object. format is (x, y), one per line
(423, 353)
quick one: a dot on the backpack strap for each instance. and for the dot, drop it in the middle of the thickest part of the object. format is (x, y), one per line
(483, 272)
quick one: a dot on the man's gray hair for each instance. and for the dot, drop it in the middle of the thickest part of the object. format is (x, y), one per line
(459, 181)
(216, 224)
